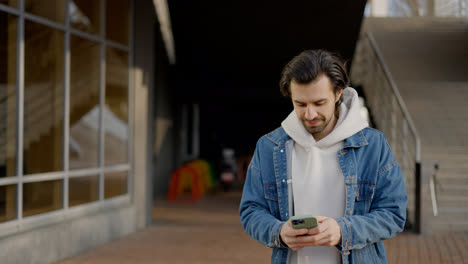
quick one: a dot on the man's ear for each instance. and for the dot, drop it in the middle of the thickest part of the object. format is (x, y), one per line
(338, 95)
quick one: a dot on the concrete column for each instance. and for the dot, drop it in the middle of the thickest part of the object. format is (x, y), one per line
(379, 8)
(143, 71)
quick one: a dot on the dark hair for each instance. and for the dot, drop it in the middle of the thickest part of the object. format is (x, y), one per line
(311, 64)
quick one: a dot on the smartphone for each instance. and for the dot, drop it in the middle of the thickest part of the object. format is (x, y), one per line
(304, 221)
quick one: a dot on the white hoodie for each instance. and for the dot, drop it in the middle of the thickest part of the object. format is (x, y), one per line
(318, 182)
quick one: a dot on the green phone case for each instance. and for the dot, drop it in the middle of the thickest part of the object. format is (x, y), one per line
(304, 221)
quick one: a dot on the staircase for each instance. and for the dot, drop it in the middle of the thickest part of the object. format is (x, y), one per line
(427, 62)
(40, 108)
(439, 110)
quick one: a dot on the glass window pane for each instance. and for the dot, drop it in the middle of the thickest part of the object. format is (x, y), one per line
(8, 29)
(12, 3)
(7, 203)
(41, 197)
(43, 99)
(83, 190)
(117, 20)
(51, 9)
(85, 15)
(116, 107)
(115, 184)
(84, 103)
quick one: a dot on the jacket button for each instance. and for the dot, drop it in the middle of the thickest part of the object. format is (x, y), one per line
(282, 150)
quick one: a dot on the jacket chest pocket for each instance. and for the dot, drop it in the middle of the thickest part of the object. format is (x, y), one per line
(271, 193)
(364, 195)
(271, 197)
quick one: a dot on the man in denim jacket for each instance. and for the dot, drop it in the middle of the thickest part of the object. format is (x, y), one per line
(323, 161)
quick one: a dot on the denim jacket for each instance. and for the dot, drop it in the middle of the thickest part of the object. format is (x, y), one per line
(375, 195)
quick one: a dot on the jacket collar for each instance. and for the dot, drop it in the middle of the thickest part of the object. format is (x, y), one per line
(357, 140)
(279, 137)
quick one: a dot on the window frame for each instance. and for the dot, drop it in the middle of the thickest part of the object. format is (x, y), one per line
(21, 223)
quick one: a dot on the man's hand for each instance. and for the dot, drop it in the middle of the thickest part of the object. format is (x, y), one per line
(328, 233)
(289, 235)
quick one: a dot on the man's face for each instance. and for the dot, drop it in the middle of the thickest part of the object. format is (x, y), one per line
(314, 104)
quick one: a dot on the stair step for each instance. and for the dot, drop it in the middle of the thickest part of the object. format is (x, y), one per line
(444, 181)
(451, 198)
(454, 166)
(454, 211)
(453, 187)
(448, 226)
(449, 162)
(452, 205)
(439, 153)
(453, 171)
(452, 190)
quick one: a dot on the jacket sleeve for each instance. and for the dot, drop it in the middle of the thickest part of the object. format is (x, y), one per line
(387, 214)
(255, 214)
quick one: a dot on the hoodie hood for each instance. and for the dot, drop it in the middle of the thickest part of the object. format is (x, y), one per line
(349, 123)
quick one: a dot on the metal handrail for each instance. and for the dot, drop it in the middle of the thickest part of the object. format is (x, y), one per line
(400, 101)
(432, 187)
(401, 106)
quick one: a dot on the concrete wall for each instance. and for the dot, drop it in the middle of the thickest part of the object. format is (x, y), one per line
(58, 241)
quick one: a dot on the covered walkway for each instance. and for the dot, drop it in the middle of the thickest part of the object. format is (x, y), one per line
(209, 232)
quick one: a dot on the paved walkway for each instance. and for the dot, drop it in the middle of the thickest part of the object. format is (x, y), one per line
(209, 232)
(418, 249)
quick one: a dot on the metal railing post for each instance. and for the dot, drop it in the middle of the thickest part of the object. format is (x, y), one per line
(417, 200)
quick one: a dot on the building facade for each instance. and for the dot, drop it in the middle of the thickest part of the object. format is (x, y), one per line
(76, 83)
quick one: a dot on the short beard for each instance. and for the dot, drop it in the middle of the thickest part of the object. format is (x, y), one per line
(317, 130)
